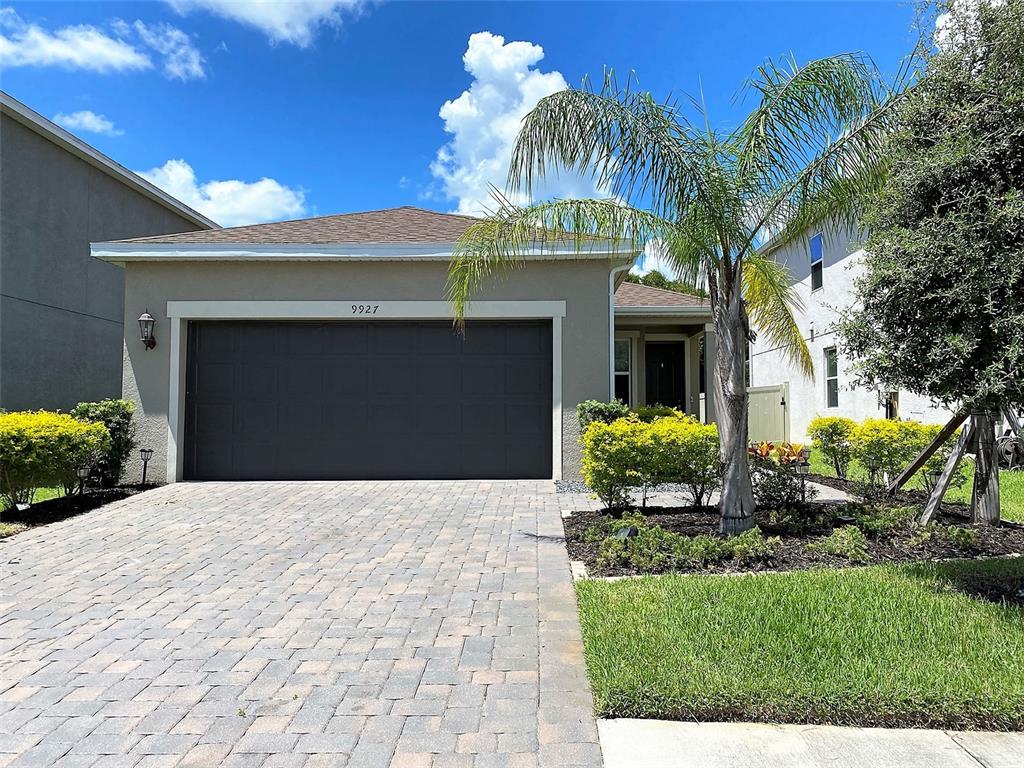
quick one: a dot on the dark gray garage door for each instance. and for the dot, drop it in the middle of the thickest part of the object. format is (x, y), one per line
(367, 400)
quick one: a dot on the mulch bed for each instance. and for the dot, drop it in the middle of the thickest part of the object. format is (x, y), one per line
(63, 507)
(1005, 539)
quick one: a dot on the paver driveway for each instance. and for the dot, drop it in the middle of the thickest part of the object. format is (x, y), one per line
(296, 624)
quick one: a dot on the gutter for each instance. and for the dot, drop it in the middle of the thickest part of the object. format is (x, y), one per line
(664, 310)
(612, 279)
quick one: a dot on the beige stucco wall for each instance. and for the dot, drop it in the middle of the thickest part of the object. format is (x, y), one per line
(582, 284)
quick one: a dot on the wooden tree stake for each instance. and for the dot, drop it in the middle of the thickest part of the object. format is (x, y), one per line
(929, 450)
(947, 473)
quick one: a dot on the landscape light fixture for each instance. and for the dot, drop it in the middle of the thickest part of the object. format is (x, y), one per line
(146, 323)
(803, 468)
(145, 454)
(83, 474)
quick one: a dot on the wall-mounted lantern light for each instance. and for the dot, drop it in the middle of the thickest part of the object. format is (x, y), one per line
(145, 454)
(146, 323)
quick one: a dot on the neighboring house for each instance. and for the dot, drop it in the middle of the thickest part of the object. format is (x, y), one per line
(783, 400)
(61, 311)
(324, 349)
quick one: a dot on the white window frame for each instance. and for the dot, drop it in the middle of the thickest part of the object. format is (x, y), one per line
(180, 312)
(828, 378)
(821, 261)
(632, 337)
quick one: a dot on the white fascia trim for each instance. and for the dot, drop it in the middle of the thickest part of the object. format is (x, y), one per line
(341, 310)
(662, 310)
(129, 252)
(71, 143)
(180, 312)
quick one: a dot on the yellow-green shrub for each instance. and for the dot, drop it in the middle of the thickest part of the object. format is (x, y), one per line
(831, 436)
(41, 448)
(883, 445)
(629, 453)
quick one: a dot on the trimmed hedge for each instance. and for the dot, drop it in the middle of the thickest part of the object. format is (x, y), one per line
(41, 448)
(629, 453)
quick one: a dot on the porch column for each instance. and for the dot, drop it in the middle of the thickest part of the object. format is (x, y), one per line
(693, 376)
(710, 374)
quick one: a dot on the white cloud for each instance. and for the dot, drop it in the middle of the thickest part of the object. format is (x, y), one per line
(232, 202)
(294, 21)
(73, 47)
(485, 119)
(655, 258)
(125, 47)
(182, 60)
(88, 121)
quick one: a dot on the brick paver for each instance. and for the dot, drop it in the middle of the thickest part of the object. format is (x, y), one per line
(297, 624)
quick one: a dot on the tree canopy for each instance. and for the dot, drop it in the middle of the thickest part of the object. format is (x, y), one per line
(940, 307)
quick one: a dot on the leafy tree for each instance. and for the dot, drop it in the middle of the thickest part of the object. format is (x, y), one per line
(940, 307)
(809, 154)
(655, 279)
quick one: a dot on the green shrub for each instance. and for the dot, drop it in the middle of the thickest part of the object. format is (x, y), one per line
(688, 455)
(649, 413)
(629, 453)
(848, 542)
(655, 549)
(882, 522)
(117, 417)
(752, 547)
(41, 448)
(959, 537)
(777, 484)
(883, 446)
(618, 457)
(831, 436)
(590, 411)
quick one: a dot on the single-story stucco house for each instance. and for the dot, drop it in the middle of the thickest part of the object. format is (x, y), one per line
(324, 349)
(62, 312)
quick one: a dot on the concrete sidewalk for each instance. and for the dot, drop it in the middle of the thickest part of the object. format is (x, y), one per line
(662, 744)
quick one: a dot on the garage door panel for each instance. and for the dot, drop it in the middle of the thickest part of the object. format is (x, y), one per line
(484, 379)
(345, 375)
(217, 379)
(368, 399)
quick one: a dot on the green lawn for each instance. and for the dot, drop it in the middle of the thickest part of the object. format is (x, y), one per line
(45, 494)
(1011, 485)
(878, 646)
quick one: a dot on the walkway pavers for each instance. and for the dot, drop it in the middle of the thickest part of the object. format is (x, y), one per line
(662, 744)
(297, 624)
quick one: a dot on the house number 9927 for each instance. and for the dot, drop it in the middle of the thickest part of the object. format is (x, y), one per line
(365, 309)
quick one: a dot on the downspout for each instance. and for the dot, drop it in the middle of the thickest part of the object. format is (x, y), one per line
(611, 326)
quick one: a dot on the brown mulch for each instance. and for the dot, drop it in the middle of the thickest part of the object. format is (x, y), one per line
(992, 541)
(63, 507)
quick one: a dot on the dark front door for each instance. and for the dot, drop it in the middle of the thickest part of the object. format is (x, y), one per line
(664, 372)
(367, 400)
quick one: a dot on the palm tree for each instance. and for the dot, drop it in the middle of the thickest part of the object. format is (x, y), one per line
(809, 155)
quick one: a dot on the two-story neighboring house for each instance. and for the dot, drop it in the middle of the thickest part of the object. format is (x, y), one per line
(62, 311)
(782, 399)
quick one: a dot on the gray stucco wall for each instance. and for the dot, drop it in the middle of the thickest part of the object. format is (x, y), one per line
(583, 285)
(61, 311)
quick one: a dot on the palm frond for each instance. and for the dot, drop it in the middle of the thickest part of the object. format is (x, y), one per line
(633, 145)
(771, 305)
(510, 234)
(812, 155)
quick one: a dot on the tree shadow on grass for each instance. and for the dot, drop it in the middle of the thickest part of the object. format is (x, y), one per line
(995, 581)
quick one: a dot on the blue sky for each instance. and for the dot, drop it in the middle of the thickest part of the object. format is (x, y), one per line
(255, 112)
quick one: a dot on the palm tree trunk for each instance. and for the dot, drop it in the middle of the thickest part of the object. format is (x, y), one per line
(730, 393)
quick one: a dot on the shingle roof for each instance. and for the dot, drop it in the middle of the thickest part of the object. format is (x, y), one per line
(406, 224)
(637, 295)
